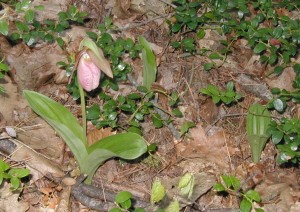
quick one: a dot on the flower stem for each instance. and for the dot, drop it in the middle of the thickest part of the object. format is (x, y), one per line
(82, 102)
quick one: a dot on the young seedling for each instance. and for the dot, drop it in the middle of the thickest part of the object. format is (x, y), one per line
(231, 185)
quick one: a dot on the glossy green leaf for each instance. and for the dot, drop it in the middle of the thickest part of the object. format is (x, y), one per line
(124, 145)
(296, 68)
(3, 27)
(29, 16)
(62, 120)
(215, 56)
(123, 196)
(278, 70)
(176, 112)
(15, 183)
(277, 136)
(231, 181)
(156, 120)
(259, 48)
(3, 166)
(258, 120)
(149, 63)
(18, 172)
(208, 66)
(93, 112)
(201, 34)
(245, 205)
(253, 195)
(219, 187)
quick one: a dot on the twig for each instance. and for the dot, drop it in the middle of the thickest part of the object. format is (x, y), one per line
(93, 197)
(229, 157)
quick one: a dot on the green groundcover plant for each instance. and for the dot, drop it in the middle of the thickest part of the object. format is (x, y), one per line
(13, 175)
(231, 185)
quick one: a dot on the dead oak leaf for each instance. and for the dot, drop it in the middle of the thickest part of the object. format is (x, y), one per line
(211, 148)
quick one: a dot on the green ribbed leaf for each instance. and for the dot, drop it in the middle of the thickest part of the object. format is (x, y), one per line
(258, 120)
(125, 145)
(62, 121)
(149, 63)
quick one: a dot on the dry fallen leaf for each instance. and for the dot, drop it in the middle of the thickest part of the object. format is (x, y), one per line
(94, 135)
(211, 148)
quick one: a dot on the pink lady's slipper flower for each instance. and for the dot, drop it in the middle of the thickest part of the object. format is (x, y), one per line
(89, 64)
(87, 72)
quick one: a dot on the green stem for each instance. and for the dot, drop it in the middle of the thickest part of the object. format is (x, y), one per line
(82, 102)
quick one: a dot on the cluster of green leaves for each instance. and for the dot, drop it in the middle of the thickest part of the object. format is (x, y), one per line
(273, 35)
(136, 106)
(31, 31)
(13, 175)
(186, 14)
(285, 135)
(3, 69)
(123, 201)
(115, 50)
(228, 96)
(231, 185)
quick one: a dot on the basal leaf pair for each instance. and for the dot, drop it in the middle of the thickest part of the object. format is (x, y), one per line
(125, 145)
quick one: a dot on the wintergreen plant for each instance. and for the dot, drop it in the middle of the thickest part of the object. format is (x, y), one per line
(89, 65)
(258, 120)
(13, 175)
(285, 135)
(273, 36)
(31, 31)
(231, 185)
(228, 96)
(124, 202)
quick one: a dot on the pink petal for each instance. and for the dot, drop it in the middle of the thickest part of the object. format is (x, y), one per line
(88, 73)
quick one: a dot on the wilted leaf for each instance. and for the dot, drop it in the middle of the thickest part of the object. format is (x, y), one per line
(157, 192)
